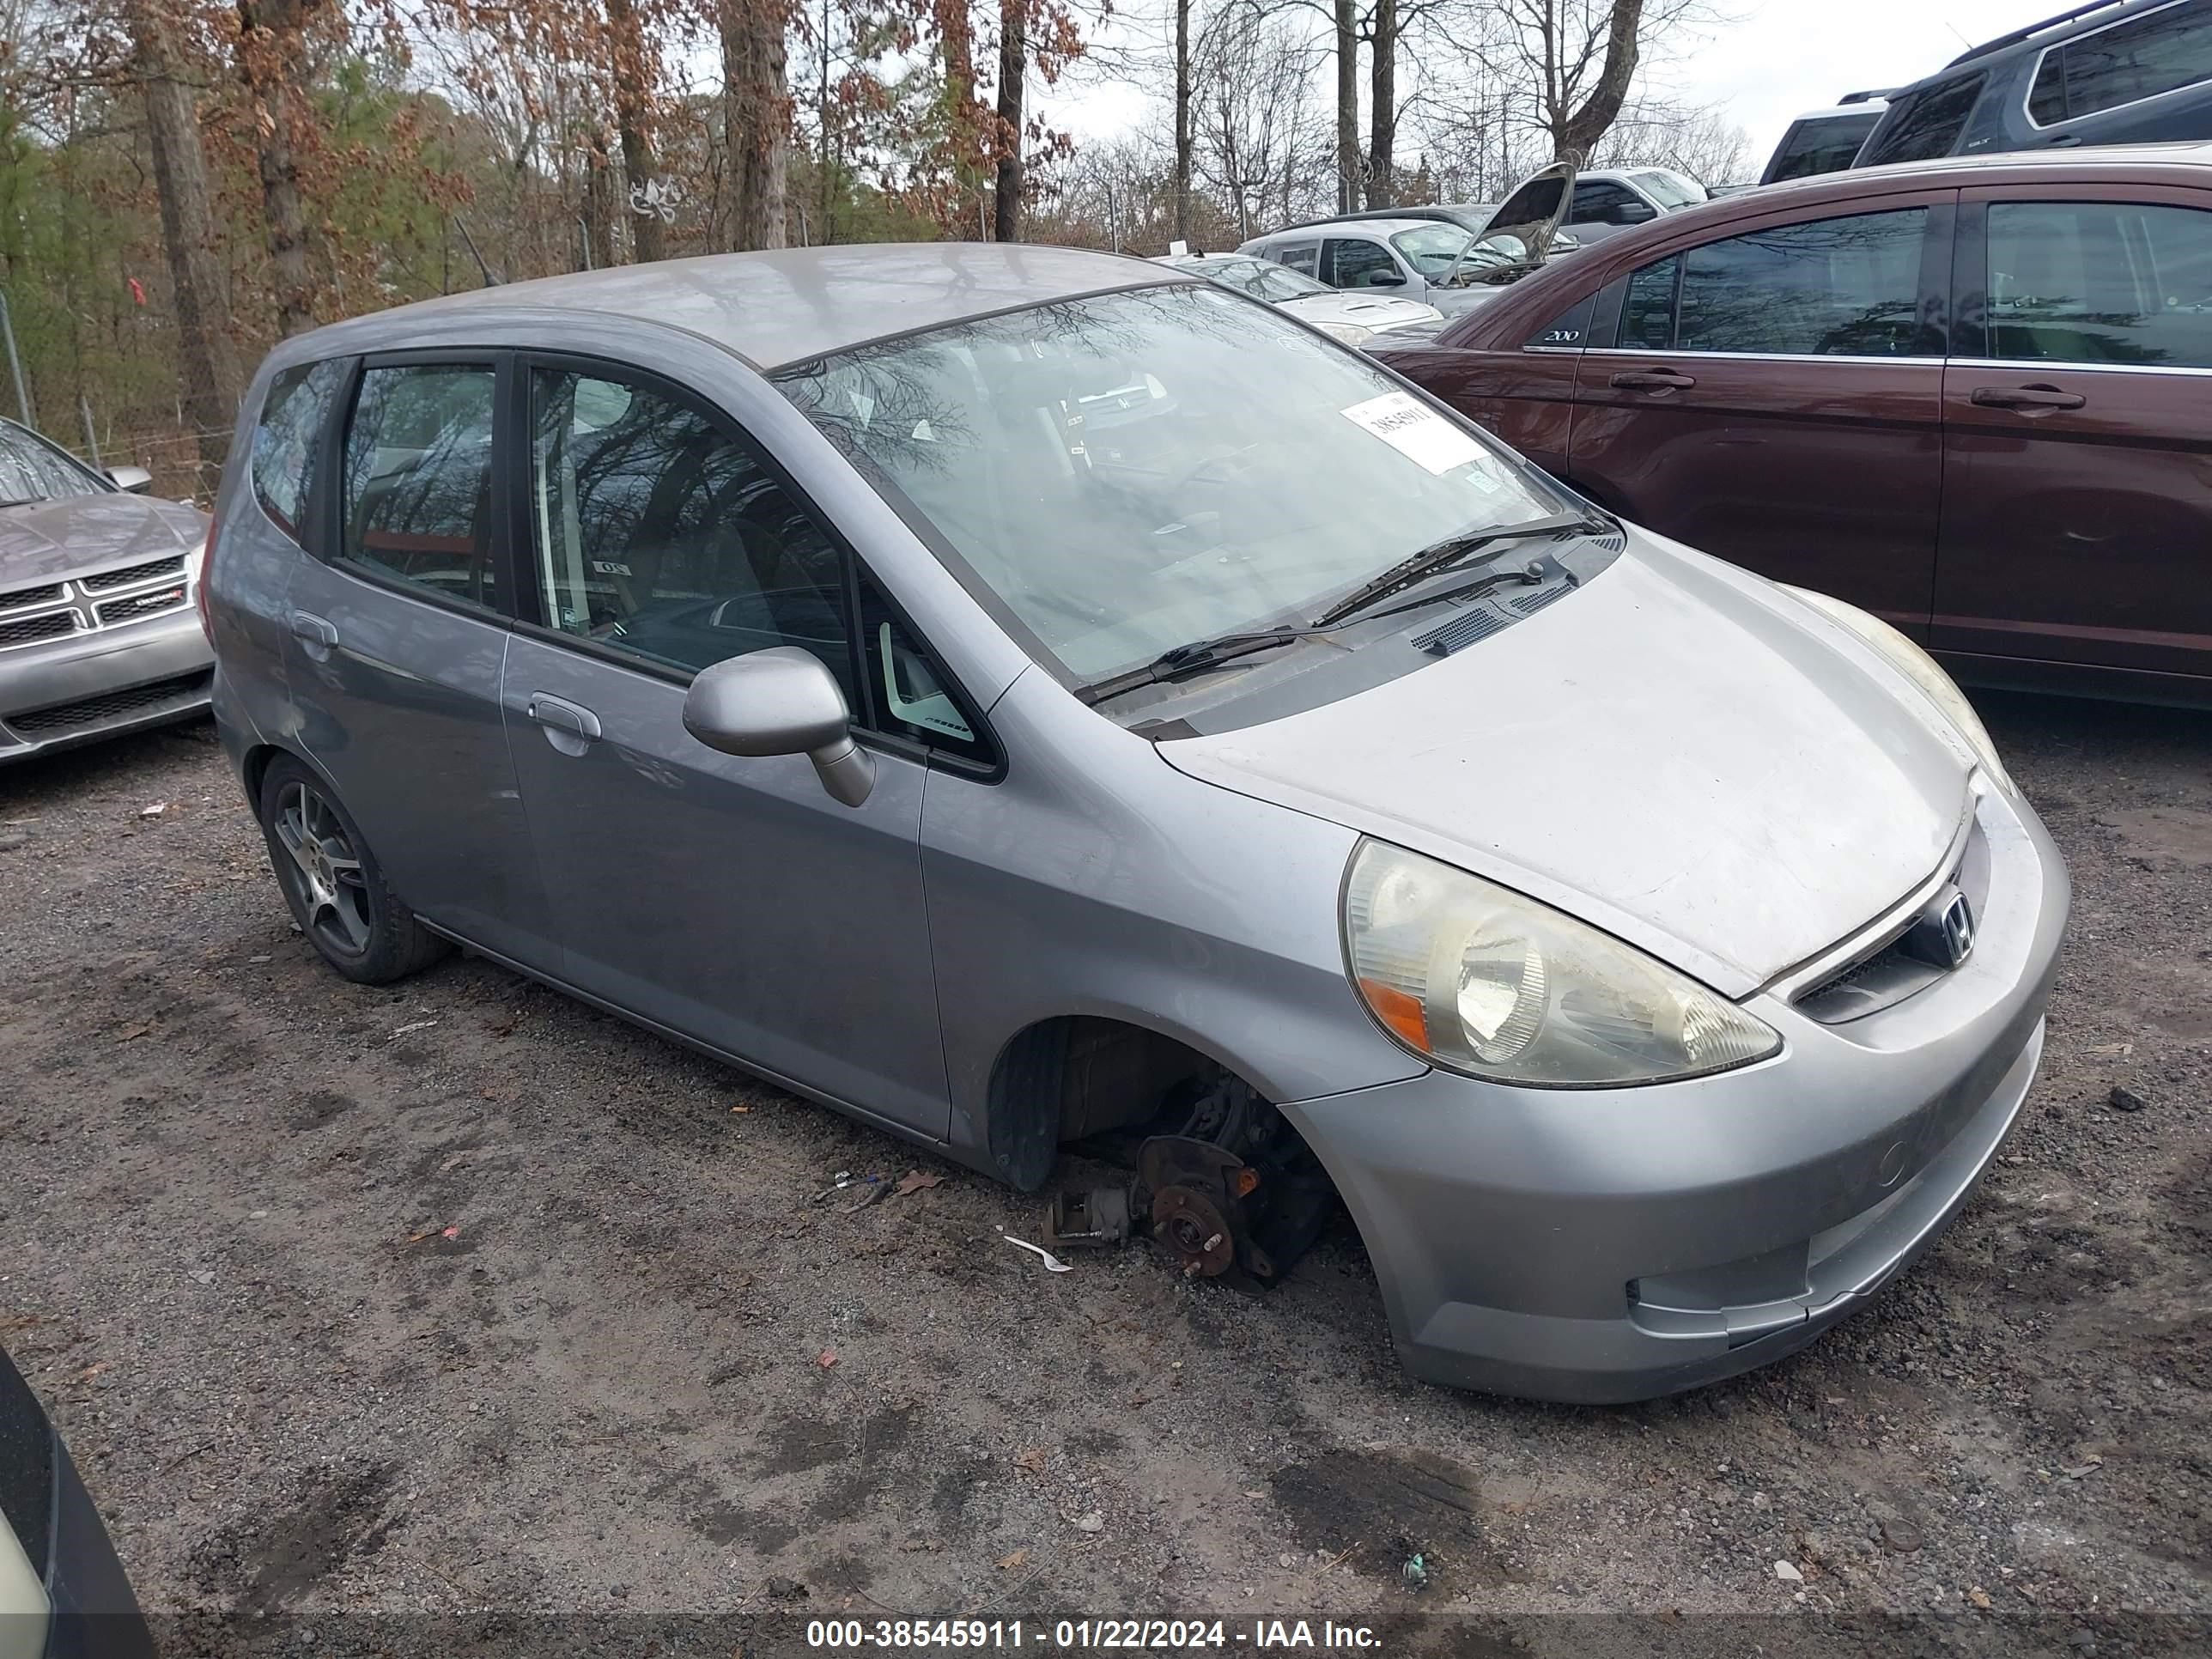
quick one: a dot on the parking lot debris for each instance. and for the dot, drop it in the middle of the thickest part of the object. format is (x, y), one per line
(827, 1359)
(1032, 1459)
(2125, 1100)
(1788, 1574)
(1018, 1558)
(153, 811)
(412, 1026)
(1096, 1220)
(1053, 1264)
(1415, 1572)
(1902, 1536)
(1091, 1521)
(873, 1190)
(916, 1180)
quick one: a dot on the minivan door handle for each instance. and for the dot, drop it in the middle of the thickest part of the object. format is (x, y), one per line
(2030, 397)
(557, 715)
(318, 635)
(1654, 380)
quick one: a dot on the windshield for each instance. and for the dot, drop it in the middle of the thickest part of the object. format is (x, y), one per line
(32, 472)
(1132, 472)
(1432, 249)
(1671, 191)
(1262, 279)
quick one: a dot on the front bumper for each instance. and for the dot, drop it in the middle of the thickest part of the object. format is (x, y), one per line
(103, 683)
(1612, 1245)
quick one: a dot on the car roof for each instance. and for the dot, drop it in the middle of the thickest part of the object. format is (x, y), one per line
(2090, 17)
(781, 307)
(1864, 106)
(2142, 162)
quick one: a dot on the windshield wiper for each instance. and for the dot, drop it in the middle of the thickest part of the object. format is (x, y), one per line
(1454, 550)
(1180, 661)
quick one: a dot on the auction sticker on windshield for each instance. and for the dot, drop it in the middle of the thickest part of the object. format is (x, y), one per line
(1415, 431)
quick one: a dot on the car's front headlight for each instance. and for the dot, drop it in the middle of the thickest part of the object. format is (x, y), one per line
(1483, 980)
(1351, 333)
(194, 559)
(1916, 666)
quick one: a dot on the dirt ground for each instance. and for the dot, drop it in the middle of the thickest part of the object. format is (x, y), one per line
(458, 1299)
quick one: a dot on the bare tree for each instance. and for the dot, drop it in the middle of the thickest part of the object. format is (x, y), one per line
(1582, 57)
(271, 40)
(208, 362)
(756, 118)
(634, 67)
(1182, 119)
(1013, 70)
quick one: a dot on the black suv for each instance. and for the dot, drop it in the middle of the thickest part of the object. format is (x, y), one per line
(2114, 72)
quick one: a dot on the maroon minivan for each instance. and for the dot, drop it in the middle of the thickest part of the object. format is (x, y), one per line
(1973, 396)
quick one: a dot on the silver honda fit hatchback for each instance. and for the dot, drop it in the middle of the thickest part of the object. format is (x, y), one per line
(1013, 695)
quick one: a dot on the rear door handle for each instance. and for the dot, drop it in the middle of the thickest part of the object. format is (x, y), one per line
(2025, 397)
(318, 635)
(1654, 380)
(558, 715)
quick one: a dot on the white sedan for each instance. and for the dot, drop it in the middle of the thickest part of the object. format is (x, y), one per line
(1353, 317)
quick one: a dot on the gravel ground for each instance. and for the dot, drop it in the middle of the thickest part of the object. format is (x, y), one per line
(457, 1297)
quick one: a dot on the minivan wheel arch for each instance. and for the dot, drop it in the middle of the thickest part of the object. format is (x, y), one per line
(1073, 1075)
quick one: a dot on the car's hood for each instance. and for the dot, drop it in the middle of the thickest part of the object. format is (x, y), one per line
(1368, 312)
(1680, 753)
(50, 539)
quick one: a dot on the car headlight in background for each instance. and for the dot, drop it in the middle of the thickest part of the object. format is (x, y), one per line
(1351, 333)
(194, 559)
(1479, 979)
(1922, 670)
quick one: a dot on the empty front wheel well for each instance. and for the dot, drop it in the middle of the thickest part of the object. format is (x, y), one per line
(1078, 1075)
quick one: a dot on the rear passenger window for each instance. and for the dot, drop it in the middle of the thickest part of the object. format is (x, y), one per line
(2118, 282)
(2160, 51)
(1846, 287)
(417, 480)
(659, 534)
(286, 437)
(1924, 124)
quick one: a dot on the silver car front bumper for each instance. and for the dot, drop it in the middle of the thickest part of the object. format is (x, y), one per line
(102, 684)
(1614, 1245)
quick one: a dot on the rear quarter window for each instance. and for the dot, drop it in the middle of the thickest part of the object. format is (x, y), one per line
(1925, 124)
(287, 437)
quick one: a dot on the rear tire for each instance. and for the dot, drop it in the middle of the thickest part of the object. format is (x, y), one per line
(333, 883)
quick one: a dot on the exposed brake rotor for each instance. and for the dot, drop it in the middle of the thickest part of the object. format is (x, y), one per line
(1194, 1229)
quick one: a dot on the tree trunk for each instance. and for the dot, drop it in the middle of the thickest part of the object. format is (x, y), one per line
(1013, 65)
(1578, 134)
(1347, 107)
(963, 126)
(1183, 121)
(756, 120)
(272, 42)
(601, 247)
(632, 99)
(206, 357)
(1382, 97)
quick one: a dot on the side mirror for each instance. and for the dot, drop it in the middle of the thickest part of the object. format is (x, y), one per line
(781, 702)
(135, 479)
(1631, 213)
(1385, 279)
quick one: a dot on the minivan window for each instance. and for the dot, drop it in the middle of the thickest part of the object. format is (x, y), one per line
(1847, 287)
(2159, 51)
(417, 480)
(1357, 265)
(1126, 473)
(2119, 282)
(656, 533)
(1432, 249)
(1923, 125)
(287, 436)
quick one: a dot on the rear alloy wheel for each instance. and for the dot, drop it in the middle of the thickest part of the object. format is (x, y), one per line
(333, 884)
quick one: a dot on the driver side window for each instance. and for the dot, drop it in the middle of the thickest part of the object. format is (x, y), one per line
(1357, 264)
(656, 533)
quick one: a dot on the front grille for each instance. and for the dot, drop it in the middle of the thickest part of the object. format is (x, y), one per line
(110, 706)
(29, 631)
(108, 581)
(23, 597)
(140, 605)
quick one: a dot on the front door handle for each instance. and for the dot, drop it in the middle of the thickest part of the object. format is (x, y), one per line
(1655, 379)
(315, 633)
(2024, 397)
(559, 714)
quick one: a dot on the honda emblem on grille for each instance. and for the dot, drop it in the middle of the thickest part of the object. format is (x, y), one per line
(1944, 935)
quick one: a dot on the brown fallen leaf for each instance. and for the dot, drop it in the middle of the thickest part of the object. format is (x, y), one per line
(914, 1181)
(826, 1358)
(741, 1108)
(132, 1033)
(91, 1371)
(1979, 1596)
(1018, 1560)
(1030, 1460)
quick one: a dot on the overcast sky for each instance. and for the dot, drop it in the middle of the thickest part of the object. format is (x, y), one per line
(1780, 58)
